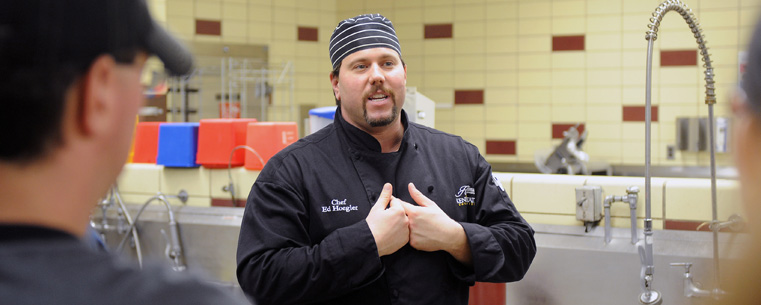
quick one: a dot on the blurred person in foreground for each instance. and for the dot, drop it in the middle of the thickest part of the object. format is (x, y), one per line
(743, 284)
(375, 209)
(69, 93)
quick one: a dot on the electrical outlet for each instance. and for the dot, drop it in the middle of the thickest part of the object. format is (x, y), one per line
(670, 152)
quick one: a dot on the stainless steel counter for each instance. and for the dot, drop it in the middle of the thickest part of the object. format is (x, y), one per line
(571, 267)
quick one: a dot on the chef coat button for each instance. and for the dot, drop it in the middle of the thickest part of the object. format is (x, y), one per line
(373, 197)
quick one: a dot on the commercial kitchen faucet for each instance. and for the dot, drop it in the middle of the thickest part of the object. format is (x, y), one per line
(174, 248)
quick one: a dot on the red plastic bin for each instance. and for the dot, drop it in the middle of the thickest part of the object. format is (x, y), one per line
(267, 139)
(146, 142)
(217, 138)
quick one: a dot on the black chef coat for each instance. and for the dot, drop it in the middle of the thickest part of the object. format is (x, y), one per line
(304, 238)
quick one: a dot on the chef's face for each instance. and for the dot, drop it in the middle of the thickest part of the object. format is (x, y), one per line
(371, 87)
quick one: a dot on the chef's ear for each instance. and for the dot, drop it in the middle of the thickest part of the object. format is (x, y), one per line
(334, 83)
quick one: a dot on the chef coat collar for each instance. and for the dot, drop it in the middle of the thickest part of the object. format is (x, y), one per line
(360, 139)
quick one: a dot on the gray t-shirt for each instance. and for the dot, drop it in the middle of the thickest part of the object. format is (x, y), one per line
(45, 266)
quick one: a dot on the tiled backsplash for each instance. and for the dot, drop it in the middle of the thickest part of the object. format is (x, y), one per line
(536, 63)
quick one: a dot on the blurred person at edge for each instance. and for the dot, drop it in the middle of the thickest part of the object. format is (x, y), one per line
(742, 286)
(375, 209)
(69, 93)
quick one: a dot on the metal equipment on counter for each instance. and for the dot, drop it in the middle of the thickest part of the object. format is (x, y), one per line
(420, 109)
(566, 158)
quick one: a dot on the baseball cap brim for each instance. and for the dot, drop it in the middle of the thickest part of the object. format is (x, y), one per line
(176, 57)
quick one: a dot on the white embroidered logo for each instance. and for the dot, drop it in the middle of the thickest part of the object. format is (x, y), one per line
(462, 197)
(339, 206)
(497, 182)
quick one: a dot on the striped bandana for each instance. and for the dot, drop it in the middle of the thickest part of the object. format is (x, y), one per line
(359, 33)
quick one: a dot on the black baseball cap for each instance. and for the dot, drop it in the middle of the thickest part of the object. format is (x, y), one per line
(751, 78)
(43, 34)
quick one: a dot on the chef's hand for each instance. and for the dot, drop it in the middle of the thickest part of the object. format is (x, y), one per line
(389, 226)
(431, 229)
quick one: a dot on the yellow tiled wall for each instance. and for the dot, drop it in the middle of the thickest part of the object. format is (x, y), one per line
(272, 23)
(138, 182)
(505, 48)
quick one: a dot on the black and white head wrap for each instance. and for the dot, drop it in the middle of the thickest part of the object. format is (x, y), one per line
(359, 33)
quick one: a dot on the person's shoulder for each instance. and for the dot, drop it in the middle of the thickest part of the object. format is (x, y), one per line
(157, 283)
(312, 141)
(71, 273)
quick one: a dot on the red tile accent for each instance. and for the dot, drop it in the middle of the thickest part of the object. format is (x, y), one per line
(568, 43)
(483, 293)
(688, 225)
(438, 31)
(558, 128)
(468, 97)
(500, 147)
(679, 58)
(307, 33)
(637, 113)
(219, 202)
(208, 27)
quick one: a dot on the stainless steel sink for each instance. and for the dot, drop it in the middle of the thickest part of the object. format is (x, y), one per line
(571, 267)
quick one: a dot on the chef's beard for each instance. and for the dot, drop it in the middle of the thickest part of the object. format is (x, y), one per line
(383, 121)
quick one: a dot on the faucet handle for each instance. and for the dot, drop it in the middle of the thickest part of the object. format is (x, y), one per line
(168, 248)
(686, 266)
(632, 190)
(183, 196)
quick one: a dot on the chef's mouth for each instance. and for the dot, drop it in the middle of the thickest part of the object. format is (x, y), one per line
(378, 95)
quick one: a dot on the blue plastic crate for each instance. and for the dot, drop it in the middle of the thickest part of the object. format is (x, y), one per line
(178, 145)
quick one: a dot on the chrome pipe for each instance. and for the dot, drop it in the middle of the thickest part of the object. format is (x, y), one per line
(606, 205)
(130, 222)
(652, 35)
(714, 208)
(648, 296)
(633, 218)
(631, 198)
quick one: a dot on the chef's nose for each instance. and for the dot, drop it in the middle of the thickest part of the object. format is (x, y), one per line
(376, 75)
